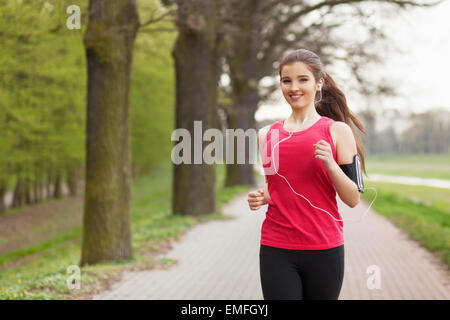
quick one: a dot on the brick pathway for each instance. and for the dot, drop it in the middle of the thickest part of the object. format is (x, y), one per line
(219, 260)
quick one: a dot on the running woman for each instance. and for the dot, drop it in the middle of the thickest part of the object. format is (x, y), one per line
(302, 248)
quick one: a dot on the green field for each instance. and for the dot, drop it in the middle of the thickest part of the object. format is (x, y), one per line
(435, 166)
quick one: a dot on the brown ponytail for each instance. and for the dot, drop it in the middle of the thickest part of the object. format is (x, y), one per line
(333, 103)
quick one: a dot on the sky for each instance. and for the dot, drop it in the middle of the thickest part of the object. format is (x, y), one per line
(420, 73)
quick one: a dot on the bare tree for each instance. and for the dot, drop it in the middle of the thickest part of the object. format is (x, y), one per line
(428, 132)
(249, 36)
(259, 32)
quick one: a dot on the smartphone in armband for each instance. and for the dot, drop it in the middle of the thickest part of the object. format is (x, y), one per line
(353, 171)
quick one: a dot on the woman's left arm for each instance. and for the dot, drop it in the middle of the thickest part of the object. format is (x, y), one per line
(345, 149)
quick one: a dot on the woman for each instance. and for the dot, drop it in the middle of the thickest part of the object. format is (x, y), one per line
(302, 248)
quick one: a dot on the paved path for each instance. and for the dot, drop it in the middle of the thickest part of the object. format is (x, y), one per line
(219, 260)
(415, 181)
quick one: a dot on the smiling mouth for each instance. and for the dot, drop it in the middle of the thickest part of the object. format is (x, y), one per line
(296, 97)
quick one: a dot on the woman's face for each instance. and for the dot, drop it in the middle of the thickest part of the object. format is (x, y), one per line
(298, 85)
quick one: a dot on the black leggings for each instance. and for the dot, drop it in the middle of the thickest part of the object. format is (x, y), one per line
(301, 274)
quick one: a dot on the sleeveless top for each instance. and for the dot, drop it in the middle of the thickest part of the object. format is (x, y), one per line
(291, 222)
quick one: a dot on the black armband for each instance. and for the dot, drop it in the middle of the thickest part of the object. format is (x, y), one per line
(353, 171)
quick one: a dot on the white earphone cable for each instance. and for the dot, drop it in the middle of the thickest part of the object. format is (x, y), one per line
(276, 171)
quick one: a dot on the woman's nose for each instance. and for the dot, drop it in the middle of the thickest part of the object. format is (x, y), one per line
(295, 86)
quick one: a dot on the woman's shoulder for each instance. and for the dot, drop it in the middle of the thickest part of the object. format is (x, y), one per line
(338, 127)
(340, 132)
(343, 139)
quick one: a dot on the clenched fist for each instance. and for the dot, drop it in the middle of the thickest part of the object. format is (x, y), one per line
(256, 199)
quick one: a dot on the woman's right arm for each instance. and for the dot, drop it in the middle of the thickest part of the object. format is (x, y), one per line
(260, 197)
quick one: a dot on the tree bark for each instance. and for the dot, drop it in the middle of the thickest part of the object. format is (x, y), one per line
(36, 188)
(27, 191)
(109, 42)
(18, 196)
(73, 179)
(57, 190)
(48, 184)
(196, 56)
(3, 190)
(242, 58)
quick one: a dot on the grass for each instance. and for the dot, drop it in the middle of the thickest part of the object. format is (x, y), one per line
(435, 166)
(423, 212)
(41, 221)
(40, 271)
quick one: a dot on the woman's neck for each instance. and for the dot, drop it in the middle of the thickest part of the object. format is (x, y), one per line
(302, 116)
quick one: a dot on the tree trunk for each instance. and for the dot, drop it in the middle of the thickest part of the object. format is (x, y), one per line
(109, 41)
(243, 118)
(27, 191)
(72, 179)
(197, 70)
(242, 59)
(48, 184)
(18, 196)
(57, 191)
(369, 119)
(38, 187)
(2, 196)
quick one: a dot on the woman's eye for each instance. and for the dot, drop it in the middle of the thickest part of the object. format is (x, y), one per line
(285, 81)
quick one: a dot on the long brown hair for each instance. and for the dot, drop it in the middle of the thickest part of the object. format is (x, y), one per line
(333, 103)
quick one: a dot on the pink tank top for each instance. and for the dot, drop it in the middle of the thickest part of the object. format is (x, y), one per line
(291, 222)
